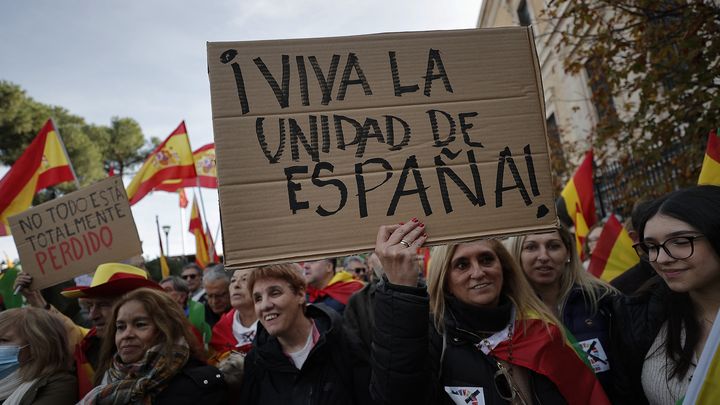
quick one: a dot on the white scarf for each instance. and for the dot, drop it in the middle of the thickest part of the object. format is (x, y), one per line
(13, 389)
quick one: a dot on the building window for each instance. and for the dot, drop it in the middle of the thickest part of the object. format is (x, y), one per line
(601, 95)
(524, 14)
(557, 156)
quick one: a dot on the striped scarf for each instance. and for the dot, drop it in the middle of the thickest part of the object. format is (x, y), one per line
(138, 383)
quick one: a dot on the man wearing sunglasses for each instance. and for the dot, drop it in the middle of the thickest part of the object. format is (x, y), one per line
(192, 274)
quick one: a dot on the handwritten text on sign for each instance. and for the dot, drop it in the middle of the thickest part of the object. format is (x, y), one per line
(94, 224)
(366, 128)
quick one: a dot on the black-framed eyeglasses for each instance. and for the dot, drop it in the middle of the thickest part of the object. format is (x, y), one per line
(679, 247)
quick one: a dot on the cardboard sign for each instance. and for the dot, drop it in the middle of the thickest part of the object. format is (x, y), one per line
(73, 234)
(321, 141)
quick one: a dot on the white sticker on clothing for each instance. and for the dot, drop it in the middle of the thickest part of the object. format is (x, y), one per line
(596, 354)
(466, 395)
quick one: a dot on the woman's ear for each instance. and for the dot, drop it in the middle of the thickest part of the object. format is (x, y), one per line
(301, 296)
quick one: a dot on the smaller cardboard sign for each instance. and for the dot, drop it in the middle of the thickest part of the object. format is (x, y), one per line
(73, 234)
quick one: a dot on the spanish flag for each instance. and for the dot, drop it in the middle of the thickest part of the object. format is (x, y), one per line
(212, 253)
(202, 257)
(613, 253)
(205, 168)
(704, 387)
(172, 159)
(710, 172)
(577, 200)
(43, 164)
(540, 347)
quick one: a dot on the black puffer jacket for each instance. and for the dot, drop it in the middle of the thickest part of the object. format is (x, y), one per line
(592, 331)
(407, 350)
(639, 319)
(196, 383)
(334, 372)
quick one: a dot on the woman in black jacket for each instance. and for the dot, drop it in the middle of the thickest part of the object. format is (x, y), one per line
(581, 301)
(301, 353)
(663, 329)
(151, 355)
(488, 338)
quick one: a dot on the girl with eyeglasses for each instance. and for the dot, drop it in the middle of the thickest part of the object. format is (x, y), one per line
(477, 334)
(662, 331)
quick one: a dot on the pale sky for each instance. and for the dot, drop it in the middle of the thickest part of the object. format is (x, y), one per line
(147, 60)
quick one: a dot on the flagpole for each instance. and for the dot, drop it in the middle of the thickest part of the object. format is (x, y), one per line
(62, 145)
(182, 232)
(217, 233)
(157, 223)
(202, 202)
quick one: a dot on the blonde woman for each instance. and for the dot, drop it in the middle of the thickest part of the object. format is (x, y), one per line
(582, 302)
(478, 333)
(35, 360)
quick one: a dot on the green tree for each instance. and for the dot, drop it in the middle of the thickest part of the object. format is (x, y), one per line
(654, 68)
(91, 148)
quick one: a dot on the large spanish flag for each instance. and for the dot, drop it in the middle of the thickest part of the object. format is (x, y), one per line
(202, 256)
(577, 200)
(710, 172)
(704, 387)
(613, 253)
(43, 164)
(172, 159)
(205, 168)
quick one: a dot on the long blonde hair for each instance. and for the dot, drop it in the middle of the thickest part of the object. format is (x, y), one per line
(515, 286)
(593, 289)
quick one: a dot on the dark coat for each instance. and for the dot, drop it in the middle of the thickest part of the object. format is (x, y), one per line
(334, 372)
(359, 316)
(196, 383)
(57, 389)
(633, 278)
(407, 351)
(593, 330)
(638, 321)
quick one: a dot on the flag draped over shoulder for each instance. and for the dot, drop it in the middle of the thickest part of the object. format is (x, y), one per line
(710, 171)
(202, 256)
(540, 347)
(171, 160)
(339, 288)
(577, 200)
(43, 164)
(613, 253)
(204, 158)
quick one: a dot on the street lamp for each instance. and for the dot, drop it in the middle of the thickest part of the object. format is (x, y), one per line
(166, 229)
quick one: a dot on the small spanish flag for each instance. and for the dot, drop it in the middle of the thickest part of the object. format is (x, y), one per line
(577, 200)
(202, 256)
(172, 159)
(710, 171)
(205, 168)
(613, 253)
(43, 164)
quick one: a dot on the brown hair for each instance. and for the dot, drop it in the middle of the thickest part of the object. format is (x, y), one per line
(168, 318)
(289, 272)
(46, 336)
(515, 287)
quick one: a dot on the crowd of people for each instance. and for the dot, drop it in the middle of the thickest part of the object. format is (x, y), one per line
(514, 320)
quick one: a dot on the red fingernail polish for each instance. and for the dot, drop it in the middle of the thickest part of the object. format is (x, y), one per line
(424, 235)
(422, 225)
(414, 219)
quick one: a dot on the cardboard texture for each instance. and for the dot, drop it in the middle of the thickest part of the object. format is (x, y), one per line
(321, 141)
(73, 234)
